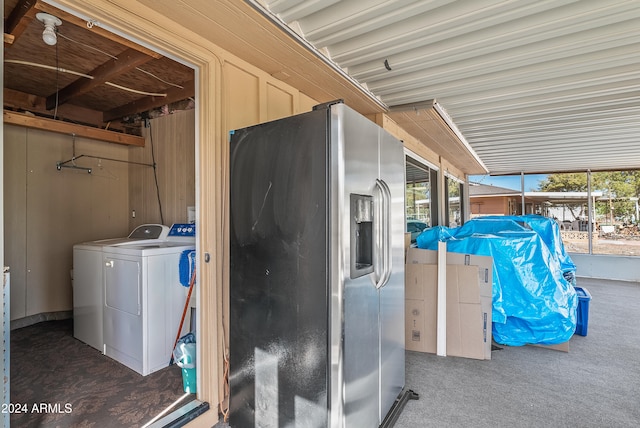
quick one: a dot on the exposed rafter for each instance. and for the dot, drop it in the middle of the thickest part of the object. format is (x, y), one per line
(126, 61)
(148, 103)
(32, 103)
(91, 77)
(20, 17)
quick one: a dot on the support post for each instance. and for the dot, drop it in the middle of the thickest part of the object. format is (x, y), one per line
(441, 322)
(590, 219)
(522, 189)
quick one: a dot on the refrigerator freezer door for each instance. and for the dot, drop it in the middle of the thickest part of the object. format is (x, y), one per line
(278, 273)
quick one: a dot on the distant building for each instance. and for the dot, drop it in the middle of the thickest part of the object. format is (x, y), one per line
(566, 207)
(493, 200)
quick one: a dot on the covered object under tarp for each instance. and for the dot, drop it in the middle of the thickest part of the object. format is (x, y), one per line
(534, 301)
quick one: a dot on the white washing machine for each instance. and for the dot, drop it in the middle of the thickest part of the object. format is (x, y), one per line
(88, 281)
(144, 299)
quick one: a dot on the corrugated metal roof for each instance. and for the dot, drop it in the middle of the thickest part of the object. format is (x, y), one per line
(533, 86)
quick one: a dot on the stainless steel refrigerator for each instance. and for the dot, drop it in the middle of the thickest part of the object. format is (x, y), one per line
(317, 271)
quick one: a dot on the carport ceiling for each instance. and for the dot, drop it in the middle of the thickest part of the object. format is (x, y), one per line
(534, 86)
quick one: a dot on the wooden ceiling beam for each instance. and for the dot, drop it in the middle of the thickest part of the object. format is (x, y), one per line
(147, 103)
(28, 102)
(126, 61)
(20, 17)
(70, 128)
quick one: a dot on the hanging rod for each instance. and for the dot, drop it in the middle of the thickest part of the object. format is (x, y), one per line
(63, 164)
(60, 165)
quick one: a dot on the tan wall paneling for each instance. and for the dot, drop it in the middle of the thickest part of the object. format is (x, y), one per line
(279, 102)
(252, 96)
(62, 208)
(172, 140)
(306, 103)
(15, 215)
(243, 96)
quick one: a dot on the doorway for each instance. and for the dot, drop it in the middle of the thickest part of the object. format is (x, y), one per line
(106, 167)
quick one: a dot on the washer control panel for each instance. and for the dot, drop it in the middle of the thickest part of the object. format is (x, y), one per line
(183, 229)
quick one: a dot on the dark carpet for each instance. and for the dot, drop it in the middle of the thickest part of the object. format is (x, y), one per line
(58, 381)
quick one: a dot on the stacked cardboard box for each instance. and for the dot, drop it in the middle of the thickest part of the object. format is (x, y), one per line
(468, 303)
(420, 307)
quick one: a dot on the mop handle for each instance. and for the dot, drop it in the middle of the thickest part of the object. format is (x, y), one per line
(184, 313)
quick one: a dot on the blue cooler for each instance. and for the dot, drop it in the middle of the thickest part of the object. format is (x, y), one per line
(582, 321)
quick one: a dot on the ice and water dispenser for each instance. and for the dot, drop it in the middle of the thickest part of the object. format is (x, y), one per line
(361, 235)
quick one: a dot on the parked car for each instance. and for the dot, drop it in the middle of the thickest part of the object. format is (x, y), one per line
(415, 227)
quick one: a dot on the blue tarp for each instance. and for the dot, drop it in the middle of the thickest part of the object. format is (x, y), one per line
(533, 301)
(549, 231)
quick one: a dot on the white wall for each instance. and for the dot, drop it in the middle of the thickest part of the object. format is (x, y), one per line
(621, 268)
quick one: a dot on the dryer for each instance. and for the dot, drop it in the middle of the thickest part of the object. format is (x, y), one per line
(88, 270)
(144, 299)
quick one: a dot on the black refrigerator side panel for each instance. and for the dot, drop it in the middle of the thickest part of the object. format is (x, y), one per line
(278, 273)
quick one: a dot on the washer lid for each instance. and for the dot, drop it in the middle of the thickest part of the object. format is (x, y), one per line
(150, 231)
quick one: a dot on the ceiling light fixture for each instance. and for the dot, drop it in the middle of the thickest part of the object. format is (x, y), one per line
(50, 23)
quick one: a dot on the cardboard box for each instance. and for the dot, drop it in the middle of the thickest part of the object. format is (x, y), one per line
(464, 313)
(420, 308)
(415, 329)
(484, 269)
(469, 303)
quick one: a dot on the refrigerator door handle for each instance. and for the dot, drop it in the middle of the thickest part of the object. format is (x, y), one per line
(385, 232)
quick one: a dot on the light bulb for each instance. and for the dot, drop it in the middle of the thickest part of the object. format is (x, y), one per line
(50, 23)
(49, 35)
